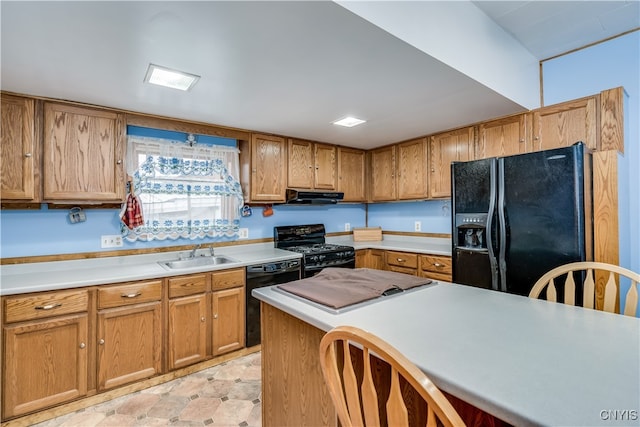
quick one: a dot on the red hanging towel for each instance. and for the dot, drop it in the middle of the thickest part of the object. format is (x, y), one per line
(131, 214)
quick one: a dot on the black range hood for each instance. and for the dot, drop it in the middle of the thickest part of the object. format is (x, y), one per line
(308, 197)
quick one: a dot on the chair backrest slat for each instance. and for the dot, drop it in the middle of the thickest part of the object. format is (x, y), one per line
(570, 290)
(610, 291)
(396, 409)
(369, 396)
(588, 290)
(351, 386)
(631, 302)
(551, 292)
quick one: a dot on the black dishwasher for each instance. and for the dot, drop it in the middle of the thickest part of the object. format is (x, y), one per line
(259, 276)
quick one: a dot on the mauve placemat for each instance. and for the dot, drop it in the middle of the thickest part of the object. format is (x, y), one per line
(340, 287)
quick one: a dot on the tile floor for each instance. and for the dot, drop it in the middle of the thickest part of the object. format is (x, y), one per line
(224, 395)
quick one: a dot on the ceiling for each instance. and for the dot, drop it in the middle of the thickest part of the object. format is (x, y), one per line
(291, 68)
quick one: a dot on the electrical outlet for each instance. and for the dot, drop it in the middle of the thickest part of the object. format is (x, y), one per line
(417, 226)
(347, 226)
(243, 233)
(111, 241)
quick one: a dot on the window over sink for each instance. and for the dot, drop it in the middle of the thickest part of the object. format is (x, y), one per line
(186, 189)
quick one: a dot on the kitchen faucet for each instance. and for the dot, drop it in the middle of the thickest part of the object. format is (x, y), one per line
(193, 252)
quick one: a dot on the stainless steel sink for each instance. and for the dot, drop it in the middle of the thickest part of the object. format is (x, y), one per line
(202, 261)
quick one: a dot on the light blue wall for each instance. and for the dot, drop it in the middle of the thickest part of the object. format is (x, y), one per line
(434, 215)
(587, 72)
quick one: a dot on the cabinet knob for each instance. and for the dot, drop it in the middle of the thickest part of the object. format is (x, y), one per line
(134, 295)
(399, 260)
(119, 162)
(253, 170)
(202, 319)
(101, 342)
(82, 345)
(433, 170)
(536, 138)
(215, 316)
(522, 140)
(437, 264)
(27, 155)
(48, 306)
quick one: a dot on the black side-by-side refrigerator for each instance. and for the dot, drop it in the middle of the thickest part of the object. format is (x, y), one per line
(514, 218)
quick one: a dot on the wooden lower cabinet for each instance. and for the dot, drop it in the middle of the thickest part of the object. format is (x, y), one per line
(435, 267)
(45, 363)
(370, 258)
(228, 320)
(187, 332)
(401, 262)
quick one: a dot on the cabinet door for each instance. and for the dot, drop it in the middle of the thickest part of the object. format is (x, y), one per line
(19, 152)
(129, 344)
(503, 137)
(412, 170)
(268, 168)
(383, 174)
(83, 154)
(228, 320)
(301, 169)
(445, 148)
(45, 363)
(563, 125)
(351, 174)
(325, 166)
(187, 330)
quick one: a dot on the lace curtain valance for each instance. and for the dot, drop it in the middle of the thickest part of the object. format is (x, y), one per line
(186, 191)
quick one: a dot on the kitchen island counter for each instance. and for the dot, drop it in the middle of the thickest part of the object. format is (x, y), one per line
(524, 361)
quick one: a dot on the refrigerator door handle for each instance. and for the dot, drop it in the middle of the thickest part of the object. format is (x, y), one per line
(502, 224)
(490, 215)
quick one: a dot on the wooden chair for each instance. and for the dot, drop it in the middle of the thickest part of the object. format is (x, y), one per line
(611, 288)
(351, 405)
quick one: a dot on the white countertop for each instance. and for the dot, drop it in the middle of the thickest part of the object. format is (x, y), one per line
(525, 361)
(46, 276)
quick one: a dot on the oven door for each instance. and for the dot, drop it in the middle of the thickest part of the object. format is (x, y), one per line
(312, 270)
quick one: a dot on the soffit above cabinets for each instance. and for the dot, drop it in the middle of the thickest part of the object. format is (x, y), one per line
(292, 68)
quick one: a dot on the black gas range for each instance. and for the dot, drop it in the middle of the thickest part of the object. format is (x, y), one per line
(309, 240)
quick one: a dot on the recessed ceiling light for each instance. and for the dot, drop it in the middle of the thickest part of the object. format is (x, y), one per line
(167, 77)
(349, 122)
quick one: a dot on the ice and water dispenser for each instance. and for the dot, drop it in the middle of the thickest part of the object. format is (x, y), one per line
(471, 231)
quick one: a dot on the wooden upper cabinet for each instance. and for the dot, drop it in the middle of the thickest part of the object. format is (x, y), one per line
(263, 161)
(311, 165)
(564, 124)
(20, 150)
(447, 147)
(412, 170)
(325, 166)
(301, 170)
(351, 174)
(383, 174)
(612, 119)
(503, 137)
(83, 154)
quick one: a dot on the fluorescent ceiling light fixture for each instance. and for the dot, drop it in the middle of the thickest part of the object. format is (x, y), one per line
(349, 122)
(167, 77)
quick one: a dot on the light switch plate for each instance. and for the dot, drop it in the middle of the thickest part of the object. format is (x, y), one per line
(243, 233)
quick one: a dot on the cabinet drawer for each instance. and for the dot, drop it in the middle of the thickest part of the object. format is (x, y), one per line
(20, 308)
(405, 270)
(187, 285)
(436, 264)
(227, 279)
(132, 293)
(402, 259)
(435, 276)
